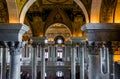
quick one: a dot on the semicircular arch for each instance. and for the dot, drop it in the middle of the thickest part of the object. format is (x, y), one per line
(58, 29)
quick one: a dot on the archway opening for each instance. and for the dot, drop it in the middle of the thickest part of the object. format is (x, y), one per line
(58, 30)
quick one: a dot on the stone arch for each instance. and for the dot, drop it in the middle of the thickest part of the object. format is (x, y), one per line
(95, 11)
(13, 11)
(117, 12)
(24, 10)
(83, 9)
(52, 32)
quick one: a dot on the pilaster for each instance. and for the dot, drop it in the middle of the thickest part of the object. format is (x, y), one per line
(74, 44)
(34, 60)
(38, 40)
(3, 47)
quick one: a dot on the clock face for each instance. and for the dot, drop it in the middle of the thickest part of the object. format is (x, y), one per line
(59, 41)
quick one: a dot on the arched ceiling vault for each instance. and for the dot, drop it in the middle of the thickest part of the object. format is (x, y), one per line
(13, 11)
(4, 18)
(107, 11)
(117, 12)
(25, 9)
(17, 9)
(83, 9)
(79, 12)
(95, 11)
(42, 15)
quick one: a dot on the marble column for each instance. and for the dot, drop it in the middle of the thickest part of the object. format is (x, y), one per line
(73, 63)
(65, 58)
(3, 60)
(15, 48)
(42, 62)
(53, 52)
(50, 52)
(81, 59)
(106, 32)
(12, 34)
(93, 66)
(110, 49)
(34, 65)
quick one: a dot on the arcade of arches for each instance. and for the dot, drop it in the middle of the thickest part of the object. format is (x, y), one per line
(59, 39)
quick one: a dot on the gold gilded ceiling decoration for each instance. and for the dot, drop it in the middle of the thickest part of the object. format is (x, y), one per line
(3, 12)
(41, 18)
(20, 4)
(87, 4)
(58, 29)
(58, 16)
(78, 22)
(57, 1)
(107, 11)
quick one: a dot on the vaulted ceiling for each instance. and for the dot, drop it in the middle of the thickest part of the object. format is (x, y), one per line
(39, 15)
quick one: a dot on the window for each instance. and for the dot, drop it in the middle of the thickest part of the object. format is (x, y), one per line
(46, 54)
(59, 54)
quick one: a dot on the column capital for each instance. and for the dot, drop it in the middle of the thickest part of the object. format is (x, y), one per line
(93, 47)
(14, 47)
(76, 41)
(102, 31)
(12, 31)
(3, 44)
(38, 40)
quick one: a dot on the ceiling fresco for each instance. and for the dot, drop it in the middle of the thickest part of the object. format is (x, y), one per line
(3, 12)
(40, 17)
(107, 11)
(20, 4)
(72, 13)
(57, 1)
